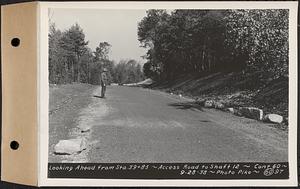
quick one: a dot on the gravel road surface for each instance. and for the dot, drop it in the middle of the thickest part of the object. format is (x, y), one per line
(141, 125)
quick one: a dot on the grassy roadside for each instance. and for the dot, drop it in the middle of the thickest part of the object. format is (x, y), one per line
(234, 90)
(65, 103)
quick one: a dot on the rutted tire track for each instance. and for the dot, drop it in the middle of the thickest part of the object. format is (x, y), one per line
(60, 105)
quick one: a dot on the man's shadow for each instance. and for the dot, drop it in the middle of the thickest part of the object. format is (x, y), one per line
(97, 96)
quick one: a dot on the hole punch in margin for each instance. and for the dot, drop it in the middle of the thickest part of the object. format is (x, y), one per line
(15, 42)
(14, 145)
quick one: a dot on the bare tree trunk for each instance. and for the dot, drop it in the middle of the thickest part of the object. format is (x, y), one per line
(203, 58)
(209, 61)
(66, 72)
(78, 69)
(89, 72)
(73, 71)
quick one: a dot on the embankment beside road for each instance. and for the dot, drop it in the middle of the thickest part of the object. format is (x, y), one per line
(236, 89)
(65, 103)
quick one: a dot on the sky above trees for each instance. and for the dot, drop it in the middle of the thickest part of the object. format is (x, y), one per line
(117, 27)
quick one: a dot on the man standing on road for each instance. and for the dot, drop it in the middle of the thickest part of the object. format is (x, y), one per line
(103, 82)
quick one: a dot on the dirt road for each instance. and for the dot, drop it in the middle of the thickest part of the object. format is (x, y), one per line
(141, 125)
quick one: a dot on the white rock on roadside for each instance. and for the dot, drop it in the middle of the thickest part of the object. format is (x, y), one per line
(273, 118)
(251, 112)
(70, 146)
(219, 105)
(209, 104)
(231, 110)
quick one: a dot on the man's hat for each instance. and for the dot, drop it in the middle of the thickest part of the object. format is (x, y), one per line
(104, 69)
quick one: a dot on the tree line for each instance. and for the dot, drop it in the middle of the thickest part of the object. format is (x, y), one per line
(206, 41)
(71, 60)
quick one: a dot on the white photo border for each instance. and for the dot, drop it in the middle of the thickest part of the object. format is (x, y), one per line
(43, 91)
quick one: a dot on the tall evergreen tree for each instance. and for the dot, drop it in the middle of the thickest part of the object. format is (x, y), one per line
(74, 46)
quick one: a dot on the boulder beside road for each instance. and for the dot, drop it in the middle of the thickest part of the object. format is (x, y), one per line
(219, 105)
(209, 104)
(273, 118)
(71, 146)
(251, 112)
(231, 110)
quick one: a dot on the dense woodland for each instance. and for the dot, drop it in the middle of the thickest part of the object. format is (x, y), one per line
(202, 42)
(198, 42)
(71, 60)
